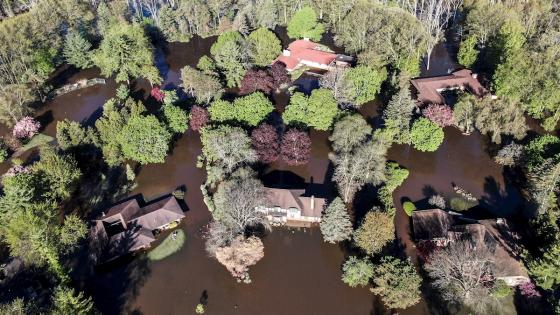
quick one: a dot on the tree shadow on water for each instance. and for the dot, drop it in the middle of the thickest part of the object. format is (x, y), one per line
(115, 287)
(502, 203)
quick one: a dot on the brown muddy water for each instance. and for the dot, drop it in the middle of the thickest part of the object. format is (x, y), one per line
(300, 274)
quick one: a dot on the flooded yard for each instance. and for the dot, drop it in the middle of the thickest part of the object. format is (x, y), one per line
(299, 274)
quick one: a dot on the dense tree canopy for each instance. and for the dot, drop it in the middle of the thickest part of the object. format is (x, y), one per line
(266, 142)
(203, 87)
(349, 132)
(250, 109)
(77, 50)
(397, 282)
(126, 52)
(265, 46)
(357, 272)
(426, 135)
(230, 56)
(383, 35)
(304, 24)
(364, 165)
(225, 148)
(144, 139)
(375, 231)
(296, 147)
(362, 83)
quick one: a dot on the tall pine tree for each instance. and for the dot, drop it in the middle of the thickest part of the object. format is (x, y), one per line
(335, 223)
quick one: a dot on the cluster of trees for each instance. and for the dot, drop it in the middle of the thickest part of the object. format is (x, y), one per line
(502, 116)
(354, 86)
(228, 155)
(127, 131)
(359, 157)
(250, 110)
(317, 111)
(515, 43)
(294, 147)
(35, 230)
(233, 54)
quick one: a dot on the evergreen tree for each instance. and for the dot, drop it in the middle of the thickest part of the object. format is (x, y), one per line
(397, 116)
(65, 301)
(126, 52)
(335, 222)
(60, 171)
(144, 139)
(357, 272)
(397, 282)
(545, 269)
(77, 50)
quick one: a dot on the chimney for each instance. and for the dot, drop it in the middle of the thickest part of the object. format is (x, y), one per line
(312, 202)
(286, 53)
(123, 221)
(306, 39)
(474, 75)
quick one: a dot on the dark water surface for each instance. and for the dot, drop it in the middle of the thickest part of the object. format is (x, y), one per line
(300, 274)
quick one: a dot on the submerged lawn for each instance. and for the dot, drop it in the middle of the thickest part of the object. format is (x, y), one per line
(169, 246)
(36, 141)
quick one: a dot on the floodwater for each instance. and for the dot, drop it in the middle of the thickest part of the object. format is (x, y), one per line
(300, 274)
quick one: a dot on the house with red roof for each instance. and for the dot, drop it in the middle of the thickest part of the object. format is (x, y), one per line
(304, 52)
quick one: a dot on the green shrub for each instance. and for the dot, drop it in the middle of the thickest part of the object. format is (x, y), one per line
(3, 152)
(199, 308)
(461, 204)
(501, 289)
(409, 207)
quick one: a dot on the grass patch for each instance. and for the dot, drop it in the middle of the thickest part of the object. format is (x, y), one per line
(408, 208)
(168, 247)
(461, 204)
(36, 141)
(294, 75)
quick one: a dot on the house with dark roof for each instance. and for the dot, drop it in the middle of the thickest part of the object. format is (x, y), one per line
(304, 52)
(428, 89)
(127, 227)
(442, 227)
(292, 207)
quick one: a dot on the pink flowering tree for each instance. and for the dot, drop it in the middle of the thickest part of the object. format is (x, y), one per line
(442, 115)
(158, 94)
(17, 169)
(529, 290)
(27, 127)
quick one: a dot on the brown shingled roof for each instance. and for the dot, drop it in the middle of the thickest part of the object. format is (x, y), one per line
(294, 198)
(436, 223)
(429, 88)
(139, 224)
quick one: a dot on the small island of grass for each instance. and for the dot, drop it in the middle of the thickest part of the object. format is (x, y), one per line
(170, 245)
